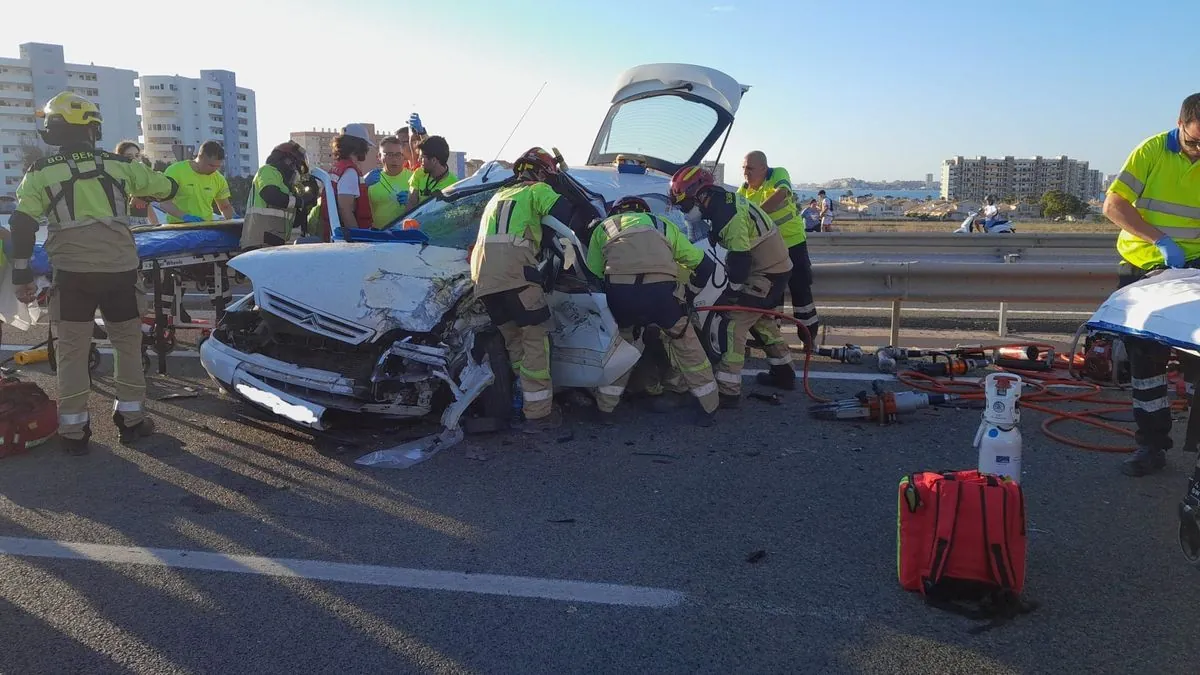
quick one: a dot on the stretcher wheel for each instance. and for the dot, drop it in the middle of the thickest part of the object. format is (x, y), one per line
(166, 344)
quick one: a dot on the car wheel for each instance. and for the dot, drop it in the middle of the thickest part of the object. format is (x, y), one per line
(495, 402)
(713, 325)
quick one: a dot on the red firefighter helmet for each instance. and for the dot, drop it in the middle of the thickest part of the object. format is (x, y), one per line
(629, 205)
(688, 182)
(535, 164)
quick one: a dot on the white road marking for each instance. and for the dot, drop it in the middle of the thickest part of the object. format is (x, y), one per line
(951, 310)
(108, 351)
(835, 375)
(373, 575)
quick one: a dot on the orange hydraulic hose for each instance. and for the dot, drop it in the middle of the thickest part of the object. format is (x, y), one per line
(780, 315)
(1048, 388)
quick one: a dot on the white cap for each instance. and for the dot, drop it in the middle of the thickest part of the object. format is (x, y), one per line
(358, 130)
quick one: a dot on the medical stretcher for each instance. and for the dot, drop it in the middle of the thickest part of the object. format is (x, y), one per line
(173, 257)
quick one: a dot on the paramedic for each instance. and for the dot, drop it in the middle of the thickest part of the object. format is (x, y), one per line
(771, 189)
(388, 187)
(1155, 200)
(201, 185)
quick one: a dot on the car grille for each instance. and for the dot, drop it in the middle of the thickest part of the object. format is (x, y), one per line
(313, 320)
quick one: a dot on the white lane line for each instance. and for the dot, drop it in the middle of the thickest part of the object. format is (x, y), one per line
(372, 575)
(108, 351)
(834, 375)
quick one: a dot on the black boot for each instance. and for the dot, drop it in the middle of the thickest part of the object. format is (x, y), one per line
(129, 435)
(782, 377)
(1144, 461)
(730, 401)
(77, 446)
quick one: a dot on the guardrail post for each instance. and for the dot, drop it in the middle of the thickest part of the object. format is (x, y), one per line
(1002, 329)
(894, 336)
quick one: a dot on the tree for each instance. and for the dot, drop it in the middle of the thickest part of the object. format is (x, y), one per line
(239, 191)
(1057, 204)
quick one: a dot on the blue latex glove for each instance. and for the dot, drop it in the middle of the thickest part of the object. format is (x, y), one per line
(401, 198)
(372, 177)
(1170, 250)
(414, 123)
(189, 218)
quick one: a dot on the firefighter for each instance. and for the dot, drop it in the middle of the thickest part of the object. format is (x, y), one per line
(83, 192)
(276, 204)
(641, 258)
(758, 269)
(1155, 200)
(504, 267)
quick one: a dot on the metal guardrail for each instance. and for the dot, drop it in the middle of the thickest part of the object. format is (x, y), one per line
(936, 267)
(996, 247)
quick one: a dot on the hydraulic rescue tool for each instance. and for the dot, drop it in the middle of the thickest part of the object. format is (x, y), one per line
(889, 356)
(848, 354)
(881, 406)
(953, 365)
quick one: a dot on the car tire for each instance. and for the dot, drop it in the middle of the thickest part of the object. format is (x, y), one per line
(495, 402)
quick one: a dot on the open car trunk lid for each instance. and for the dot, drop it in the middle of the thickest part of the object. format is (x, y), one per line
(668, 114)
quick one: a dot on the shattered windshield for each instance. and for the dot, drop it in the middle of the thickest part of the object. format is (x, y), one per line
(668, 128)
(453, 224)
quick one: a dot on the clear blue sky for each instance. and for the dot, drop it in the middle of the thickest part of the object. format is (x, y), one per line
(877, 90)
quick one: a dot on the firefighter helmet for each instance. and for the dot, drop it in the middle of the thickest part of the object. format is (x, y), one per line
(688, 182)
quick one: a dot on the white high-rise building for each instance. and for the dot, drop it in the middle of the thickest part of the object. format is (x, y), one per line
(180, 113)
(1025, 177)
(39, 73)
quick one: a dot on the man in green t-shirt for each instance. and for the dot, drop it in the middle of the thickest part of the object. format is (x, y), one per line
(388, 187)
(201, 185)
(434, 173)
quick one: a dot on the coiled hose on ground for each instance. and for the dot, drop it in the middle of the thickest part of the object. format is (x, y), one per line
(1050, 390)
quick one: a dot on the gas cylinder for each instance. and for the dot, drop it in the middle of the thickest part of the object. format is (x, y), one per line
(999, 438)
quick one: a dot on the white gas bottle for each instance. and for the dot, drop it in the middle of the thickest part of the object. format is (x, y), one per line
(998, 438)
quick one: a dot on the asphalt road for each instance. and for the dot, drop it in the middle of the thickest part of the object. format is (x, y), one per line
(652, 503)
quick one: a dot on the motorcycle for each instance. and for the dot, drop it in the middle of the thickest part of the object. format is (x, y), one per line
(995, 225)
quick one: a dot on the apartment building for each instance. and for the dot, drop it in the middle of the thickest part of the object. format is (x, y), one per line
(40, 72)
(965, 178)
(181, 113)
(317, 143)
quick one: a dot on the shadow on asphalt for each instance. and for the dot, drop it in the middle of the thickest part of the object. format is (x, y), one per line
(652, 501)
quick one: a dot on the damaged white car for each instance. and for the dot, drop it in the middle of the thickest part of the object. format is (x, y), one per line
(391, 328)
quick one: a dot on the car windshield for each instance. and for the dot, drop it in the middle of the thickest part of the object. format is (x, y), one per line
(453, 224)
(669, 128)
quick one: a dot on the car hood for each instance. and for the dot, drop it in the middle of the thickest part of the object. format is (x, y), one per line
(375, 287)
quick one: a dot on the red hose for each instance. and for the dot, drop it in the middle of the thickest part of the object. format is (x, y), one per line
(1049, 389)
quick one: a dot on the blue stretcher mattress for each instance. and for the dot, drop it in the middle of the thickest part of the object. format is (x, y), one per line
(165, 242)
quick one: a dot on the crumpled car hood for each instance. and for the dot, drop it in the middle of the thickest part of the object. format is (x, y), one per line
(381, 286)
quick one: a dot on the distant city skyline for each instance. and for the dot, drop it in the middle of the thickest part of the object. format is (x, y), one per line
(888, 92)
